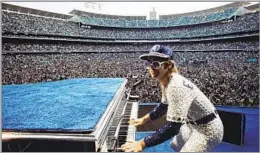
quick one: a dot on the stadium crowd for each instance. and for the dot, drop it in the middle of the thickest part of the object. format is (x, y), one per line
(81, 39)
(75, 47)
(227, 78)
(30, 24)
(163, 22)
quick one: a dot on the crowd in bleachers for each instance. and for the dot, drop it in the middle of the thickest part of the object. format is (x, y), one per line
(106, 16)
(28, 24)
(35, 37)
(227, 78)
(134, 22)
(72, 47)
(199, 18)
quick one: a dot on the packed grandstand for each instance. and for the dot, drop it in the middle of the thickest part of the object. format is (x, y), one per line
(216, 48)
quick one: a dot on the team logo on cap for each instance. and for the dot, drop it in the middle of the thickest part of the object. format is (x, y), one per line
(155, 48)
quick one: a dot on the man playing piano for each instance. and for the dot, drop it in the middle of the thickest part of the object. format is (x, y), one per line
(192, 119)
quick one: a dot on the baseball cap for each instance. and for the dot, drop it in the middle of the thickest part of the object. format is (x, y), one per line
(159, 52)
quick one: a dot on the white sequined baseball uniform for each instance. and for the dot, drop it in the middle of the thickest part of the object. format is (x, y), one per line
(186, 104)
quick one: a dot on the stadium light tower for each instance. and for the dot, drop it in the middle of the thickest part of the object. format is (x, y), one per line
(93, 6)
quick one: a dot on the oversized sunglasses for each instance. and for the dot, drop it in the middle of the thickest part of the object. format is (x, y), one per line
(154, 64)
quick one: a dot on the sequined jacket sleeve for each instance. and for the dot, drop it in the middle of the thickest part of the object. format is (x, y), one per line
(158, 111)
(167, 131)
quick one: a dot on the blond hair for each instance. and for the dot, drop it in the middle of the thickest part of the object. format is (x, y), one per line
(170, 71)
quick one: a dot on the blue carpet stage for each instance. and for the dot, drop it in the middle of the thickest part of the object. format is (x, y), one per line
(251, 143)
(59, 106)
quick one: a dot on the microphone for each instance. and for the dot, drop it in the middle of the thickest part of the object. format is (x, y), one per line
(137, 83)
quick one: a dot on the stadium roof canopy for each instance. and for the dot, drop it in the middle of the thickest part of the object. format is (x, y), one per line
(22, 9)
(90, 14)
(253, 7)
(207, 11)
(233, 5)
(239, 12)
(75, 19)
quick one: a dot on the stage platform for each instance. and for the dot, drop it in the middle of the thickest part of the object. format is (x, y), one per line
(251, 143)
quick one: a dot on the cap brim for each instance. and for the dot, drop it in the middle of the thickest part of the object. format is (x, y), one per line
(149, 56)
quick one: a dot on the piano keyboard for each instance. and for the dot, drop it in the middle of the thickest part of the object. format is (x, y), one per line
(121, 132)
(111, 135)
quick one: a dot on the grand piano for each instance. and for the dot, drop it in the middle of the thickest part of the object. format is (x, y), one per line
(110, 131)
